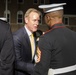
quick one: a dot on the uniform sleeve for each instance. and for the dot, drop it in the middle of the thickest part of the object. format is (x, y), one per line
(45, 47)
(7, 54)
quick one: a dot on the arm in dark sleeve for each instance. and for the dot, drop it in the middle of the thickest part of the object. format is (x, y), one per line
(43, 65)
(19, 63)
(7, 53)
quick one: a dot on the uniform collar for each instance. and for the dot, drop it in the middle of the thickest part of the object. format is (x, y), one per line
(58, 24)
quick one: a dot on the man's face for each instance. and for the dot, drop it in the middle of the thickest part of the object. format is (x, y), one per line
(32, 21)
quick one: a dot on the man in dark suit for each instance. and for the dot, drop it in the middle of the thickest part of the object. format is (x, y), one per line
(57, 47)
(6, 49)
(24, 62)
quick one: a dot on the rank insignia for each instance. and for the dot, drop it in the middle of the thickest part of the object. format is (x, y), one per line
(38, 55)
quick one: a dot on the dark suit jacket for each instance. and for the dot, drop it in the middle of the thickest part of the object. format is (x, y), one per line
(23, 63)
(6, 49)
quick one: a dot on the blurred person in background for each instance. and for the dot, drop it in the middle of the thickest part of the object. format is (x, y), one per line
(7, 55)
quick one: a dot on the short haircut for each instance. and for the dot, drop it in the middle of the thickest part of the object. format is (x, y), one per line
(31, 10)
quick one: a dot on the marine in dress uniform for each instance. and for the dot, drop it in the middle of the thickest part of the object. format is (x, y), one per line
(57, 47)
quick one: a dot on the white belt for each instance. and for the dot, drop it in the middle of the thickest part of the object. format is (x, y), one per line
(61, 70)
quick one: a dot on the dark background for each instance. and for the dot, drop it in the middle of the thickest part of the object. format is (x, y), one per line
(69, 8)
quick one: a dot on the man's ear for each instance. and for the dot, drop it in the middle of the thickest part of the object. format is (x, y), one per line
(26, 20)
(48, 17)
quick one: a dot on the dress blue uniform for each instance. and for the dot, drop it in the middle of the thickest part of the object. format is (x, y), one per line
(57, 47)
(58, 51)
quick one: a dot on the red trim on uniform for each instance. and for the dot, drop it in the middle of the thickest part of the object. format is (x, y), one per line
(54, 28)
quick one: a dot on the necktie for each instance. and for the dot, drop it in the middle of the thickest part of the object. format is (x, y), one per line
(32, 44)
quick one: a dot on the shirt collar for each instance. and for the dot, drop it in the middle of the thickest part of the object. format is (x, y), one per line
(28, 32)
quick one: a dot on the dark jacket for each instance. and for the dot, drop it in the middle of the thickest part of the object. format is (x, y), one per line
(58, 50)
(24, 64)
(6, 49)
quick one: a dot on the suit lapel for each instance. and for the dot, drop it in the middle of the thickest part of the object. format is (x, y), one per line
(26, 37)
